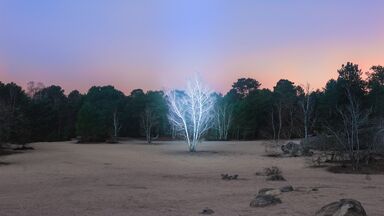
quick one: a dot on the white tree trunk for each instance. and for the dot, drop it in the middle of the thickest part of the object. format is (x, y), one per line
(191, 112)
(116, 124)
(306, 106)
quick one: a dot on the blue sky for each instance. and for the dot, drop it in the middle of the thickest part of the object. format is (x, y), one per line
(158, 44)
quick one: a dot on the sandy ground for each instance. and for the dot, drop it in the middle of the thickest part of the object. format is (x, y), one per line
(163, 179)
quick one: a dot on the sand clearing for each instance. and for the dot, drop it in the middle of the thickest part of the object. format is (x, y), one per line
(163, 179)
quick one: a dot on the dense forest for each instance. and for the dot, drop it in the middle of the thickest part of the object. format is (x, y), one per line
(247, 111)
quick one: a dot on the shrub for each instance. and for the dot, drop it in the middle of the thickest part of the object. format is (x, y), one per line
(274, 174)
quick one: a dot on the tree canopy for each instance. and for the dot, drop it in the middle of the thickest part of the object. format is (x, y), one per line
(48, 114)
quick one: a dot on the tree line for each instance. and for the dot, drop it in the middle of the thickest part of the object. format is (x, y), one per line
(247, 111)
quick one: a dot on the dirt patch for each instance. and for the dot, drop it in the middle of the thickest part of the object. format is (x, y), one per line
(137, 179)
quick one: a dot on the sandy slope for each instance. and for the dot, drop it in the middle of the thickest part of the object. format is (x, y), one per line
(137, 179)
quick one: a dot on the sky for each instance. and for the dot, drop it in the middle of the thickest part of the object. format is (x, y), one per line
(159, 44)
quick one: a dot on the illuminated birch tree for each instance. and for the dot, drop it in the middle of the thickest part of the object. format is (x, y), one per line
(191, 112)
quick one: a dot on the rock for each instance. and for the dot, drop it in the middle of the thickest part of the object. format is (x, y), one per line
(264, 190)
(274, 192)
(264, 200)
(287, 188)
(207, 211)
(344, 207)
(269, 191)
(225, 177)
(229, 177)
(292, 149)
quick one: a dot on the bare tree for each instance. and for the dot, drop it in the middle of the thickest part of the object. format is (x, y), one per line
(148, 122)
(33, 88)
(116, 124)
(353, 118)
(191, 112)
(223, 117)
(307, 108)
(378, 140)
(277, 132)
(273, 124)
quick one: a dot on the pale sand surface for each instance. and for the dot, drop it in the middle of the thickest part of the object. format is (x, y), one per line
(133, 178)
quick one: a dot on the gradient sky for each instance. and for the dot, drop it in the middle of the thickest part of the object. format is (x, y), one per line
(159, 44)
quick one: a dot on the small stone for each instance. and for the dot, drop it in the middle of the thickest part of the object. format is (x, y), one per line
(207, 211)
(229, 177)
(287, 188)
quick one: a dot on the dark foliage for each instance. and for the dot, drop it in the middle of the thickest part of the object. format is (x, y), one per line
(103, 113)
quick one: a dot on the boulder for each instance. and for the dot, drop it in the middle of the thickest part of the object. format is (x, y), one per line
(287, 188)
(264, 200)
(344, 207)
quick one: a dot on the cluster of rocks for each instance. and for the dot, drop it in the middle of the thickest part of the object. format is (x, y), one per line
(229, 177)
(268, 196)
(343, 207)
